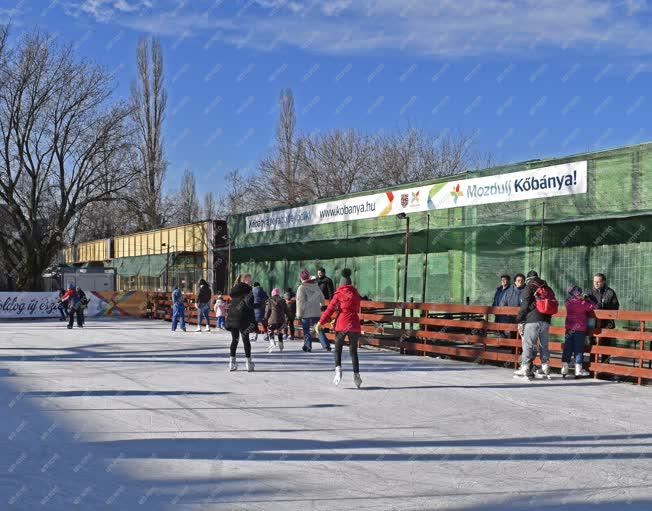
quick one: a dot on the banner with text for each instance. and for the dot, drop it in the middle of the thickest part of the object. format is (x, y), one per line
(552, 181)
(46, 304)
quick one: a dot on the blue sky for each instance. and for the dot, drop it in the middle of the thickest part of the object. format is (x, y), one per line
(527, 79)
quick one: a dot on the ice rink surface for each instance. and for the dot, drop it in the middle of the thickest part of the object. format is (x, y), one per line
(124, 415)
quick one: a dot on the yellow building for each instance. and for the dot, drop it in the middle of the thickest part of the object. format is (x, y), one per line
(160, 259)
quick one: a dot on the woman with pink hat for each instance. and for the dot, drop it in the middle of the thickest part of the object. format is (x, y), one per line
(309, 302)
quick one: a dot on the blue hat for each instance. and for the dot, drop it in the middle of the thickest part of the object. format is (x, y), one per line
(71, 286)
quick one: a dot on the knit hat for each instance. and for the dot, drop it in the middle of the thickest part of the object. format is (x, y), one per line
(276, 292)
(574, 291)
(304, 275)
(287, 296)
(532, 275)
(346, 277)
(71, 286)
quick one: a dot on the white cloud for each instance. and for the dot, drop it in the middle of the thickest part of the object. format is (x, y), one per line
(444, 28)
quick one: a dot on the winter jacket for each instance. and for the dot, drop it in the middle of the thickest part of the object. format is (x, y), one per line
(528, 312)
(205, 294)
(276, 311)
(177, 296)
(241, 312)
(260, 299)
(71, 297)
(346, 302)
(326, 286)
(511, 297)
(498, 296)
(576, 311)
(292, 309)
(309, 300)
(606, 298)
(220, 307)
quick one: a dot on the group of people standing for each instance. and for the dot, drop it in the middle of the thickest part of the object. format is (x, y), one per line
(537, 304)
(72, 304)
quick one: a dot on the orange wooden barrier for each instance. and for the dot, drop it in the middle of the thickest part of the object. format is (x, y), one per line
(469, 332)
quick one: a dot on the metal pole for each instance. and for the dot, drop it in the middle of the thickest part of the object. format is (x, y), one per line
(543, 218)
(405, 269)
(425, 261)
(167, 269)
(229, 264)
(347, 239)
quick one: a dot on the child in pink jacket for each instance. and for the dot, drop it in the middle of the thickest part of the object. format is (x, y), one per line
(577, 309)
(220, 311)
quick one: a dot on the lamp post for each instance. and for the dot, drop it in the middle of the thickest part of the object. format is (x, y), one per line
(403, 216)
(167, 266)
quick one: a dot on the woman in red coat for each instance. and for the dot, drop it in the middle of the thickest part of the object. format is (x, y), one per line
(346, 303)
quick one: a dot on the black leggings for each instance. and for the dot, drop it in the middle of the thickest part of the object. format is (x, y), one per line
(276, 329)
(245, 341)
(72, 312)
(290, 327)
(353, 349)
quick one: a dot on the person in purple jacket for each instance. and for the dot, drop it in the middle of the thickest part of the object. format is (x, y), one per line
(577, 309)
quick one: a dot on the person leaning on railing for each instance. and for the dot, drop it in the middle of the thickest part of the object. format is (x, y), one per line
(605, 299)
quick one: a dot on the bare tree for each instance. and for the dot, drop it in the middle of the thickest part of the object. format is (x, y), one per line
(336, 163)
(63, 148)
(149, 98)
(209, 210)
(279, 180)
(188, 202)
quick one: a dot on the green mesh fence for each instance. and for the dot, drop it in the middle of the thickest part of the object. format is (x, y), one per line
(459, 253)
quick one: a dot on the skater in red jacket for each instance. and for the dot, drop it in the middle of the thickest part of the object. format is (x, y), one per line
(346, 303)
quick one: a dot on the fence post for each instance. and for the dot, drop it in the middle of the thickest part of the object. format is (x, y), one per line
(642, 347)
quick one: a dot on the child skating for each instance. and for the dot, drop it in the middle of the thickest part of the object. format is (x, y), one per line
(577, 309)
(276, 316)
(220, 311)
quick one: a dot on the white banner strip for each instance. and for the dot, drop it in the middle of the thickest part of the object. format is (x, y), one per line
(42, 305)
(552, 181)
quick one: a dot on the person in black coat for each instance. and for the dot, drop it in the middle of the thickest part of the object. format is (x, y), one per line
(241, 319)
(605, 298)
(325, 285)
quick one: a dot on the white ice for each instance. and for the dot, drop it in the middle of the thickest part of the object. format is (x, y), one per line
(124, 415)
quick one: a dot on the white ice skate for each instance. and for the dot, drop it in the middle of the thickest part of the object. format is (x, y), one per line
(208, 329)
(272, 345)
(357, 380)
(250, 365)
(523, 373)
(580, 372)
(338, 375)
(564, 369)
(198, 329)
(233, 366)
(544, 372)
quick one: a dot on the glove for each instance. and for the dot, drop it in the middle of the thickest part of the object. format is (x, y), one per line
(317, 327)
(521, 328)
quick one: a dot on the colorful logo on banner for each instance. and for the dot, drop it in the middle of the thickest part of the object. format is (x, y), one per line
(388, 208)
(115, 299)
(433, 191)
(457, 193)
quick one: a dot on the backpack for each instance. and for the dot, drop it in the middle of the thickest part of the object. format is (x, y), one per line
(545, 300)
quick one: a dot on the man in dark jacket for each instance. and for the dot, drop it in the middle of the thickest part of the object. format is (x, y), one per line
(533, 326)
(325, 284)
(500, 293)
(605, 298)
(204, 296)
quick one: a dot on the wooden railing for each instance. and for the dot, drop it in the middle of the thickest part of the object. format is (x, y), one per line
(469, 332)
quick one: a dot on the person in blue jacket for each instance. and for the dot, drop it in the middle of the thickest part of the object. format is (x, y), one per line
(178, 309)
